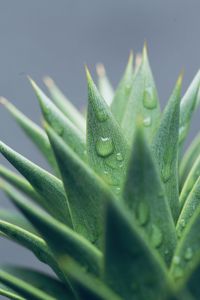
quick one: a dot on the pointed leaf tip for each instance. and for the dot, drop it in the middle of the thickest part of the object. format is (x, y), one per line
(48, 81)
(100, 69)
(145, 51)
(3, 101)
(88, 75)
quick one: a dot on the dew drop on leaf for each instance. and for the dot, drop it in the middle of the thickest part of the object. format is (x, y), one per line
(188, 254)
(149, 100)
(104, 146)
(156, 236)
(147, 121)
(119, 156)
(176, 260)
(142, 213)
(166, 173)
(101, 115)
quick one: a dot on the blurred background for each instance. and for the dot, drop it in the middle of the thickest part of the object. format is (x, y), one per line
(58, 37)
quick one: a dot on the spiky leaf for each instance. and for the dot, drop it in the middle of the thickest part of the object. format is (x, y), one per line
(104, 85)
(118, 106)
(64, 104)
(86, 192)
(165, 148)
(132, 269)
(188, 104)
(60, 123)
(33, 131)
(62, 240)
(188, 160)
(106, 146)
(48, 186)
(143, 101)
(145, 197)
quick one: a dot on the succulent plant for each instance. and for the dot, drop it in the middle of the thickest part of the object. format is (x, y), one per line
(118, 217)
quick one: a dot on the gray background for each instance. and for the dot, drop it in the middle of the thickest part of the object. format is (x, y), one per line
(58, 37)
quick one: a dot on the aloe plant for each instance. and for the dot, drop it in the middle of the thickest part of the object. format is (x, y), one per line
(118, 217)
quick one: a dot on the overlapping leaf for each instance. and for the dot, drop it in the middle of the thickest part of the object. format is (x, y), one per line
(33, 131)
(25, 289)
(131, 268)
(188, 159)
(86, 192)
(104, 85)
(9, 293)
(145, 197)
(118, 106)
(106, 146)
(48, 186)
(190, 181)
(188, 104)
(143, 101)
(187, 250)
(45, 283)
(62, 240)
(165, 148)
(60, 123)
(64, 104)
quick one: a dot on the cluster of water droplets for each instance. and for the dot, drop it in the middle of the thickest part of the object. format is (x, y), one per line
(178, 270)
(149, 102)
(143, 217)
(105, 148)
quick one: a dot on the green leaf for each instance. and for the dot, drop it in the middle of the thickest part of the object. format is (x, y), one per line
(23, 288)
(190, 181)
(188, 105)
(72, 136)
(87, 286)
(104, 85)
(145, 198)
(16, 219)
(63, 241)
(9, 293)
(20, 183)
(188, 159)
(143, 101)
(132, 268)
(187, 250)
(47, 185)
(165, 148)
(106, 146)
(86, 192)
(118, 106)
(192, 282)
(45, 283)
(190, 205)
(33, 131)
(64, 104)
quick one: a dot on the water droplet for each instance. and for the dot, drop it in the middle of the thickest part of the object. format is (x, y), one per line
(188, 254)
(166, 252)
(156, 236)
(182, 223)
(142, 213)
(104, 146)
(147, 121)
(119, 156)
(101, 114)
(118, 190)
(176, 260)
(166, 173)
(149, 99)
